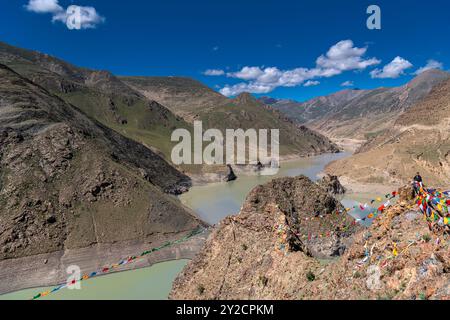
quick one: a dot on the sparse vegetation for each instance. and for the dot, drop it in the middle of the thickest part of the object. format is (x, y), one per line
(310, 276)
(263, 280)
(200, 289)
(426, 237)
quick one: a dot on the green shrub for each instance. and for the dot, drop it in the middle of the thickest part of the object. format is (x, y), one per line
(310, 276)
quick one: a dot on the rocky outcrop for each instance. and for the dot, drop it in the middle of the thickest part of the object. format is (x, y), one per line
(289, 221)
(231, 176)
(332, 185)
(250, 257)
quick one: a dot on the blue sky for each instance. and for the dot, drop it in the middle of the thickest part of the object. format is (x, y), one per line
(278, 41)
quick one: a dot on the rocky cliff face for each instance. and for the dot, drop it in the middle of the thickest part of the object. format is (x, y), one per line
(243, 258)
(332, 185)
(281, 231)
(67, 182)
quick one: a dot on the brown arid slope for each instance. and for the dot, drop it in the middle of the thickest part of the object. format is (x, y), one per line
(418, 141)
(242, 260)
(100, 95)
(194, 101)
(67, 182)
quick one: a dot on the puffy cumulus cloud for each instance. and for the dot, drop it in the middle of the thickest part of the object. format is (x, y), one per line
(344, 56)
(347, 84)
(44, 6)
(311, 83)
(392, 70)
(74, 17)
(247, 73)
(341, 57)
(239, 88)
(77, 17)
(214, 72)
(431, 64)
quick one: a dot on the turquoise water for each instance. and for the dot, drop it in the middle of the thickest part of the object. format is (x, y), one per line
(215, 201)
(152, 283)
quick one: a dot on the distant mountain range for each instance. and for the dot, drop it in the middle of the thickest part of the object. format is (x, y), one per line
(192, 100)
(418, 140)
(359, 114)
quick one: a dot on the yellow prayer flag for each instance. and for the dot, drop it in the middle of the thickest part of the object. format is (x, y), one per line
(395, 251)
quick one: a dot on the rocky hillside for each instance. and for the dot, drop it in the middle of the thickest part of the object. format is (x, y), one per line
(67, 181)
(361, 114)
(283, 227)
(100, 95)
(250, 256)
(194, 101)
(419, 140)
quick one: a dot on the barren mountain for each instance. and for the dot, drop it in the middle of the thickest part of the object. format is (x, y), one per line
(100, 95)
(69, 182)
(194, 101)
(419, 140)
(361, 114)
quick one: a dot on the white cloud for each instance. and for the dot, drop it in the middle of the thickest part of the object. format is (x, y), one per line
(44, 6)
(347, 84)
(344, 56)
(245, 87)
(214, 72)
(341, 57)
(431, 64)
(247, 73)
(311, 83)
(74, 17)
(392, 70)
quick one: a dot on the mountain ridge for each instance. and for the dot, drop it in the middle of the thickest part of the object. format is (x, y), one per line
(360, 114)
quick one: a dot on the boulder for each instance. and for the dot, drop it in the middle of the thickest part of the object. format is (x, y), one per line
(332, 185)
(230, 176)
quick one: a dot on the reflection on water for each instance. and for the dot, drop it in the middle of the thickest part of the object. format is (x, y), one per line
(152, 283)
(213, 202)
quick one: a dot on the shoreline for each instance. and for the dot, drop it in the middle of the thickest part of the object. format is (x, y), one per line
(247, 170)
(48, 270)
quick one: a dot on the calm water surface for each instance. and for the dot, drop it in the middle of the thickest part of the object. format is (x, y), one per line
(152, 283)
